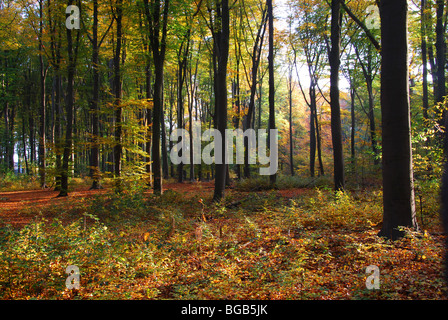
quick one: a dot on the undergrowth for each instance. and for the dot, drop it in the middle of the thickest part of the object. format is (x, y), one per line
(133, 245)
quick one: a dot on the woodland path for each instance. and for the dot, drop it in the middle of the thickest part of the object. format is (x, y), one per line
(14, 203)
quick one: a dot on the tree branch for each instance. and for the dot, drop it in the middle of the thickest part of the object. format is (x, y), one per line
(363, 26)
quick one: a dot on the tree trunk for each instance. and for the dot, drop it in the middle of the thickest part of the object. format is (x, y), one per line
(444, 211)
(42, 116)
(441, 63)
(336, 130)
(425, 99)
(180, 112)
(398, 184)
(148, 120)
(440, 51)
(273, 177)
(69, 113)
(221, 43)
(352, 131)
(156, 123)
(118, 148)
(94, 109)
(247, 121)
(164, 149)
(312, 129)
(158, 47)
(291, 145)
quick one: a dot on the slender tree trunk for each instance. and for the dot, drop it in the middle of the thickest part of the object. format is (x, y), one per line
(353, 129)
(148, 120)
(312, 129)
(318, 141)
(444, 211)
(42, 115)
(118, 148)
(94, 109)
(156, 123)
(256, 58)
(164, 149)
(376, 159)
(171, 126)
(69, 113)
(8, 150)
(425, 99)
(272, 177)
(291, 145)
(180, 114)
(398, 202)
(336, 130)
(433, 71)
(367, 72)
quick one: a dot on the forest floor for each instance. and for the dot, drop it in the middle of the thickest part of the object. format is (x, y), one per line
(295, 243)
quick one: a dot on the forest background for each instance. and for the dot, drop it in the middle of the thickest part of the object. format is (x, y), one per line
(94, 108)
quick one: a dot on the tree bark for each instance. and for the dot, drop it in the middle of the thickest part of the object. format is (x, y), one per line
(221, 44)
(247, 121)
(69, 112)
(291, 145)
(42, 116)
(118, 148)
(312, 106)
(157, 38)
(425, 99)
(441, 63)
(336, 130)
(353, 130)
(94, 109)
(444, 211)
(398, 184)
(273, 177)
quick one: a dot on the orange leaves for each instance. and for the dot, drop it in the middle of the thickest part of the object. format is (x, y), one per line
(274, 245)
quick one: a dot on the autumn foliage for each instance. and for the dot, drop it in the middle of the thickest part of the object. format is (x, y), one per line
(292, 243)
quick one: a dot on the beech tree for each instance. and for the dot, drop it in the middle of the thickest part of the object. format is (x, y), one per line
(221, 35)
(72, 52)
(336, 130)
(398, 179)
(157, 18)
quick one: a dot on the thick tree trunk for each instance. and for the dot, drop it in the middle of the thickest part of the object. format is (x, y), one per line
(440, 51)
(398, 184)
(222, 52)
(441, 63)
(336, 130)
(158, 27)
